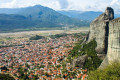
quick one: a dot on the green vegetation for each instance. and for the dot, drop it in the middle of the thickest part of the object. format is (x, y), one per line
(111, 72)
(10, 22)
(42, 66)
(25, 76)
(6, 77)
(22, 75)
(76, 35)
(58, 35)
(37, 37)
(93, 62)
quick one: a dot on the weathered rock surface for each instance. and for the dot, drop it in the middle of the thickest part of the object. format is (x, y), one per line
(106, 31)
(101, 56)
(113, 54)
(99, 30)
(79, 61)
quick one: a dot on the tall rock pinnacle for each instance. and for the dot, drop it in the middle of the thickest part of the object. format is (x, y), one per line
(99, 30)
(109, 13)
(113, 53)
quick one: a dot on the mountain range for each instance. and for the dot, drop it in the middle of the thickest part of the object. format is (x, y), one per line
(84, 15)
(35, 17)
(38, 16)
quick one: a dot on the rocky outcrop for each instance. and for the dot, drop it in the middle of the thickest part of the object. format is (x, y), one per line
(114, 40)
(106, 31)
(113, 54)
(79, 61)
(99, 30)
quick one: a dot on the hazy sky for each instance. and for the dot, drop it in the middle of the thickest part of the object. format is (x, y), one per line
(81, 5)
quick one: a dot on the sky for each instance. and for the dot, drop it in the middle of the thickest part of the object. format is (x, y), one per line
(80, 5)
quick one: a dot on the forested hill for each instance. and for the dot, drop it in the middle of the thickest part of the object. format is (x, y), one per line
(35, 16)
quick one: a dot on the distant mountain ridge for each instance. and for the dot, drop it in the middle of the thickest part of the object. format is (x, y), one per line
(35, 16)
(10, 10)
(84, 15)
(38, 9)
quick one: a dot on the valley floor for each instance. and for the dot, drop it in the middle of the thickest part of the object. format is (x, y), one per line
(27, 34)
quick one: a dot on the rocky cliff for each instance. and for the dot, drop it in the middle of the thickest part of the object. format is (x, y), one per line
(106, 31)
(99, 30)
(114, 40)
(113, 53)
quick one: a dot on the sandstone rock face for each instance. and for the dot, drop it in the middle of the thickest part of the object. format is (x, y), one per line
(114, 40)
(99, 30)
(113, 53)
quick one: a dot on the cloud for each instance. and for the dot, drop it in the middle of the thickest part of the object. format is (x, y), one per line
(63, 4)
(3, 1)
(54, 4)
(114, 2)
(116, 5)
(81, 5)
(9, 4)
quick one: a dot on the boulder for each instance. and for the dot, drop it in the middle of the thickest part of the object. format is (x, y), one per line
(79, 61)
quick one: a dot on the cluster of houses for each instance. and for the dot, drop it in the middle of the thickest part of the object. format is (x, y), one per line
(44, 58)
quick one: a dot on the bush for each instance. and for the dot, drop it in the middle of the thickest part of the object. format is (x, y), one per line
(37, 37)
(111, 72)
(58, 35)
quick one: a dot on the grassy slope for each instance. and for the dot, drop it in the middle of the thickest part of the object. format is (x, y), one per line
(111, 72)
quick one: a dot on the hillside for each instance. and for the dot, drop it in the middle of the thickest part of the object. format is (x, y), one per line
(35, 17)
(41, 13)
(10, 22)
(110, 72)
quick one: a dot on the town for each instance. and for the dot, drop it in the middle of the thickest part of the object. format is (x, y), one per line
(40, 59)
